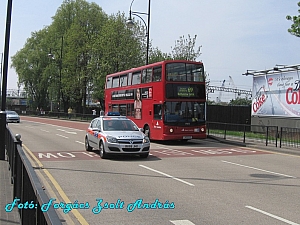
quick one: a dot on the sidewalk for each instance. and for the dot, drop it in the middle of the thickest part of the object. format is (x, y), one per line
(6, 196)
(258, 145)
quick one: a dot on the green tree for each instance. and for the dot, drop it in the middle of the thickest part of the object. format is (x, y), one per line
(156, 55)
(185, 48)
(85, 44)
(121, 49)
(295, 27)
(240, 101)
(80, 24)
(29, 63)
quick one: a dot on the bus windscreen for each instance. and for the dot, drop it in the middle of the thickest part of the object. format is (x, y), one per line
(181, 113)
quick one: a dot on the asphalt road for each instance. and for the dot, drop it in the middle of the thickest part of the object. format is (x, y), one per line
(198, 182)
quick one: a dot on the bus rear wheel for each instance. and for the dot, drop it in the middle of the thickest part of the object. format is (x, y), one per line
(147, 131)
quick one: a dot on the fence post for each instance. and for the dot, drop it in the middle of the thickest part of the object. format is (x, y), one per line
(207, 127)
(280, 137)
(225, 131)
(267, 136)
(244, 141)
(276, 136)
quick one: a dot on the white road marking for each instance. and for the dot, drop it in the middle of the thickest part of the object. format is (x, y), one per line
(45, 130)
(54, 125)
(182, 222)
(162, 147)
(222, 151)
(79, 142)
(170, 151)
(68, 132)
(61, 136)
(271, 215)
(167, 175)
(250, 167)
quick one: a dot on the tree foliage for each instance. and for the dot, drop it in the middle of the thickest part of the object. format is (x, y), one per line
(185, 49)
(85, 44)
(30, 63)
(240, 101)
(65, 63)
(295, 27)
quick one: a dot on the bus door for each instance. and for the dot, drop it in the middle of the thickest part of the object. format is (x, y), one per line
(157, 122)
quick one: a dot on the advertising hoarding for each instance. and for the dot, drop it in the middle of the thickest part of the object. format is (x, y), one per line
(276, 94)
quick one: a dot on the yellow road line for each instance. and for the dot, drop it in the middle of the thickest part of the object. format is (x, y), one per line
(62, 194)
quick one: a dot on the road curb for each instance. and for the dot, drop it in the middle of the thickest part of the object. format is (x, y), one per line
(222, 140)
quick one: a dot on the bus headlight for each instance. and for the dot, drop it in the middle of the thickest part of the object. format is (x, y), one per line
(202, 129)
(111, 139)
(171, 130)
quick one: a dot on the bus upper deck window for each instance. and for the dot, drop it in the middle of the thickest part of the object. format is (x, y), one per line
(108, 82)
(123, 80)
(136, 78)
(147, 75)
(115, 82)
(157, 73)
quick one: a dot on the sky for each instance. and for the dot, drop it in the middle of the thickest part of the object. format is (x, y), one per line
(235, 35)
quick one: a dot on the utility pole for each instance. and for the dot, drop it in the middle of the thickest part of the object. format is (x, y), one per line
(4, 82)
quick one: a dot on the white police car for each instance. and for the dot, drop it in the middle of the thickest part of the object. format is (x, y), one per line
(115, 134)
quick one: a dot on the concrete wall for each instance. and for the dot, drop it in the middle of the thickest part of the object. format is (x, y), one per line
(276, 121)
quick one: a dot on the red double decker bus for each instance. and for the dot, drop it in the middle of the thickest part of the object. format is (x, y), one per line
(167, 99)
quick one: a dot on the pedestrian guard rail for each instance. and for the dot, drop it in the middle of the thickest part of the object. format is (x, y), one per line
(29, 197)
(266, 135)
(59, 115)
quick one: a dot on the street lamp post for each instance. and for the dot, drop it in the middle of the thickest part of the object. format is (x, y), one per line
(50, 55)
(130, 23)
(4, 82)
(1, 73)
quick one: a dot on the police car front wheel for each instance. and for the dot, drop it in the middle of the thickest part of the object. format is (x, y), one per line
(102, 153)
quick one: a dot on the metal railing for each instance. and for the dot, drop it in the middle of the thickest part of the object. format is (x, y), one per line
(58, 115)
(28, 192)
(267, 135)
(289, 137)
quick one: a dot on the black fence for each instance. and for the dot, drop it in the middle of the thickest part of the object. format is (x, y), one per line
(234, 114)
(59, 115)
(28, 193)
(289, 137)
(266, 135)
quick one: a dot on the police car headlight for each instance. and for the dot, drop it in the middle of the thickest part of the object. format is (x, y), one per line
(146, 140)
(111, 139)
